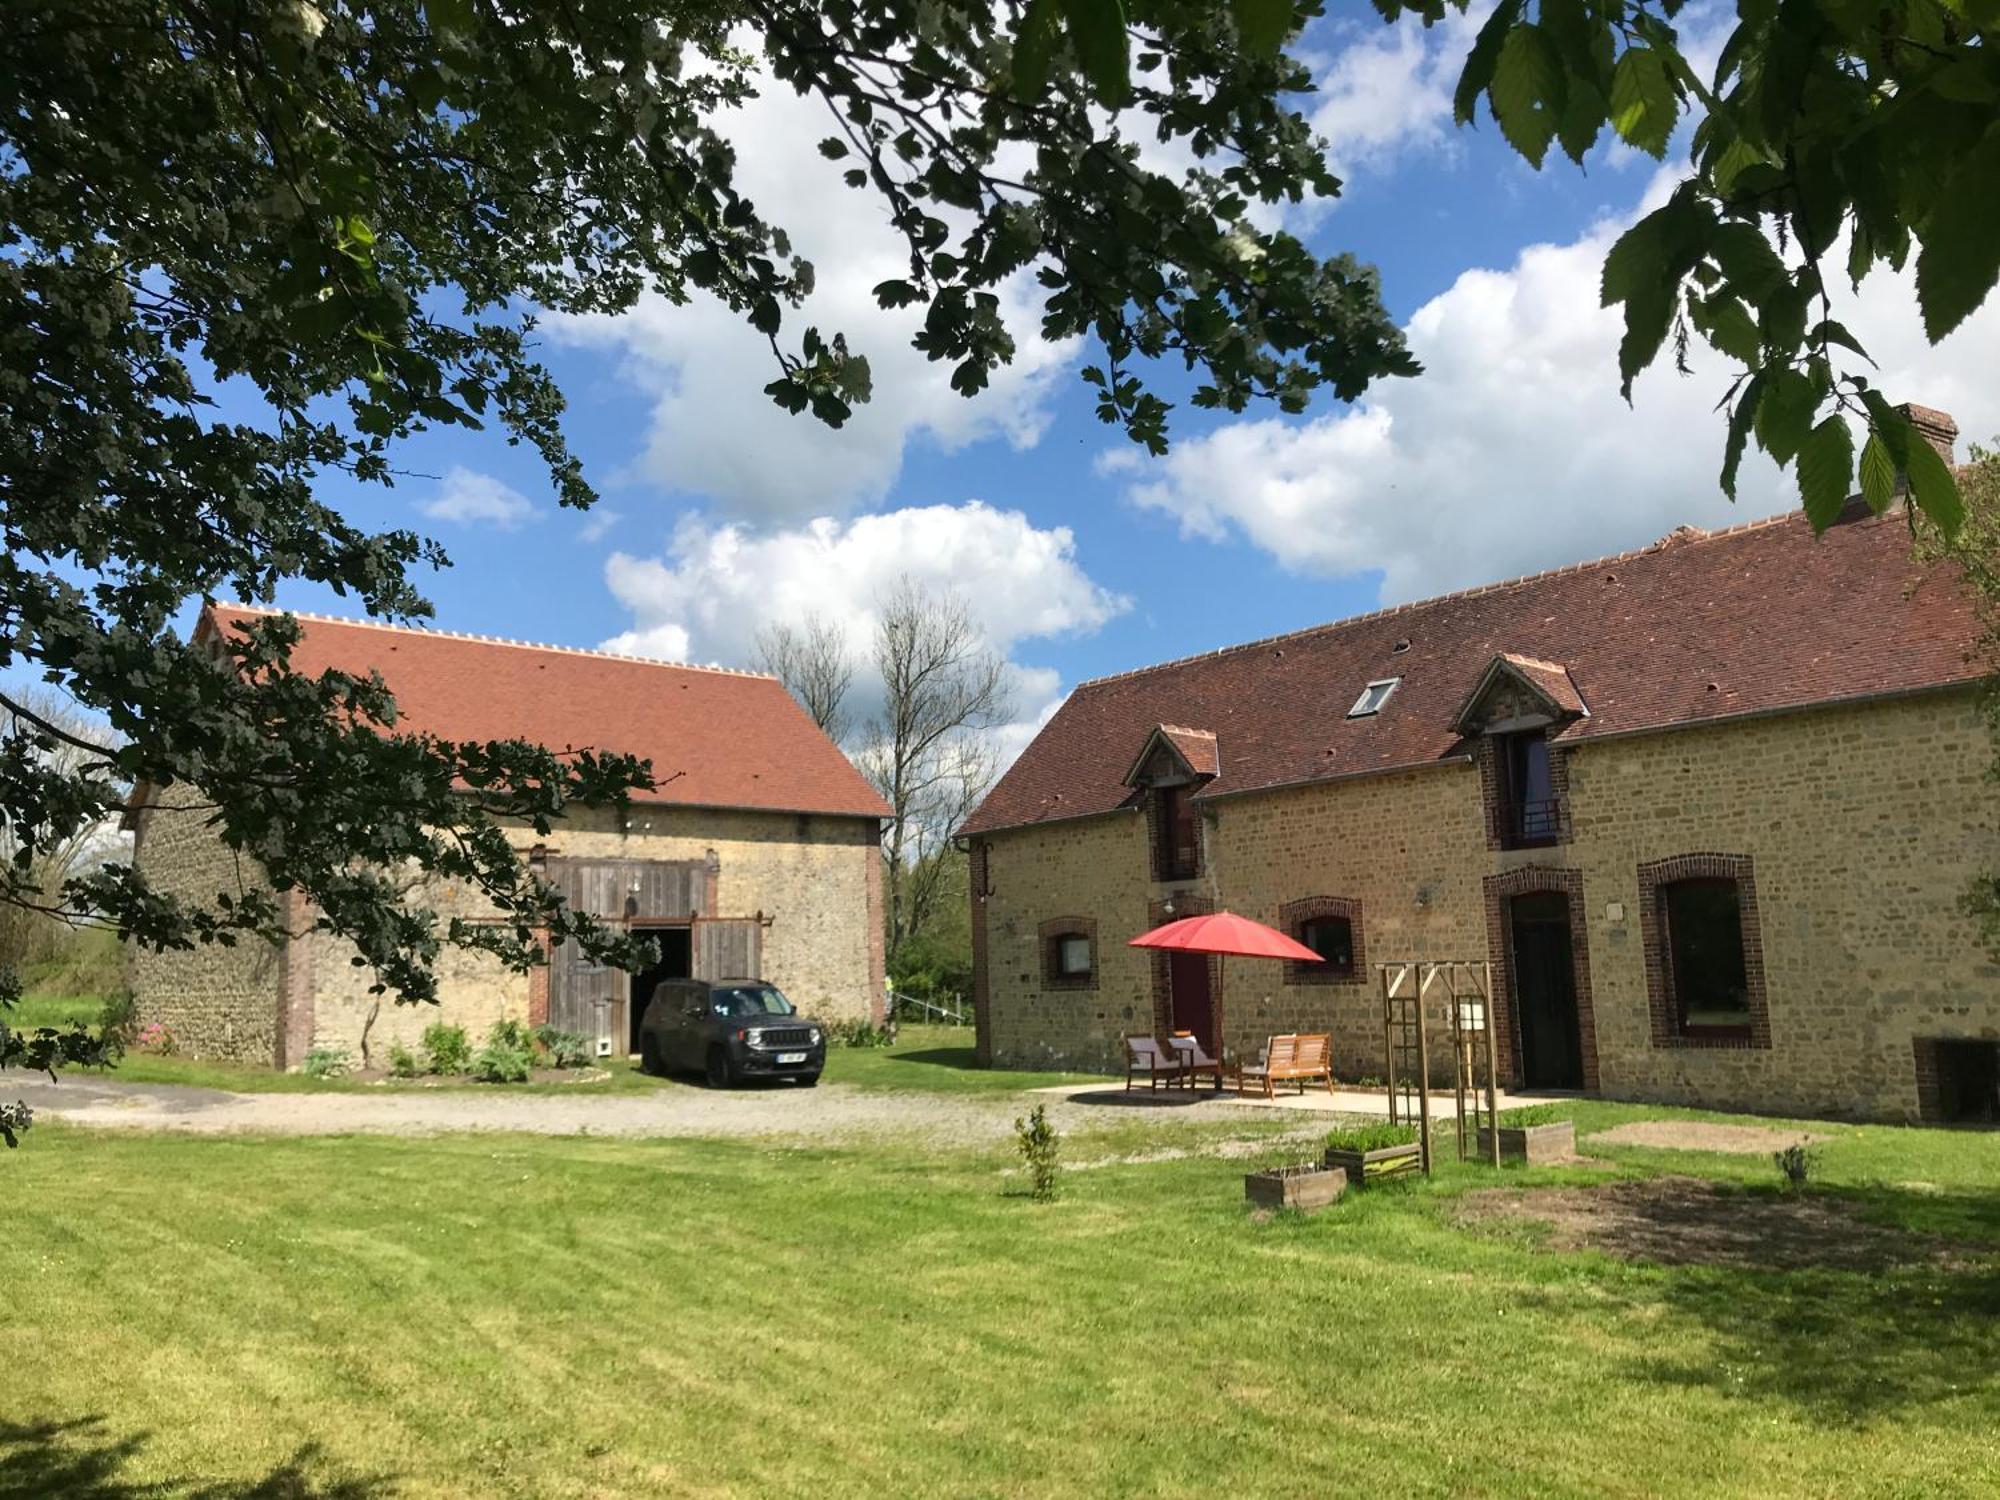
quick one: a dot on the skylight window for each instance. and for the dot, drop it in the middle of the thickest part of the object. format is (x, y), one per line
(1373, 697)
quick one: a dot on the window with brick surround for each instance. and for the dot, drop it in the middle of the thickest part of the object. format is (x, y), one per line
(1176, 839)
(1069, 953)
(1331, 927)
(1703, 951)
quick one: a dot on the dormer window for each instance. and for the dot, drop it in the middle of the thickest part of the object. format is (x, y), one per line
(1530, 812)
(1373, 697)
(1176, 840)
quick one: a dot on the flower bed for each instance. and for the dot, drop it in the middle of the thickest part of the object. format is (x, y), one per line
(1305, 1187)
(1371, 1153)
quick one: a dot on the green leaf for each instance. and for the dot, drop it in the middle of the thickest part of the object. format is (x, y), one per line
(1878, 474)
(1263, 24)
(1480, 61)
(1097, 31)
(1644, 106)
(1784, 415)
(1741, 417)
(833, 148)
(1527, 91)
(1826, 463)
(1933, 487)
(1732, 330)
(1960, 259)
(448, 16)
(1034, 43)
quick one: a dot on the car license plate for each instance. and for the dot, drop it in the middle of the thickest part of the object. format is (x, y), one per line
(791, 1057)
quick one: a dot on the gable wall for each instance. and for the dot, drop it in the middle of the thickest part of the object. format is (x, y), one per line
(1863, 825)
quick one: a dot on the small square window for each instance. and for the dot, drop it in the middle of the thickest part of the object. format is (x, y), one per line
(1373, 697)
(1073, 957)
(1332, 938)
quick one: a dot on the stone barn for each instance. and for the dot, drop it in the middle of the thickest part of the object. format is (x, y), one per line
(758, 855)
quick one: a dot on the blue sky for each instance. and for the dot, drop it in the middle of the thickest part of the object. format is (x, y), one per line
(1078, 555)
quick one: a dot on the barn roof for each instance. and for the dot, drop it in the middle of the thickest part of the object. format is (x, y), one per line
(1698, 627)
(727, 739)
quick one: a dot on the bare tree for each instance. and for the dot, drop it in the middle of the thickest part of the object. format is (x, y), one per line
(43, 732)
(929, 752)
(812, 660)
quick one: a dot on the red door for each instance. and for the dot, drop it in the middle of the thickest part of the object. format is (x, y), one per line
(1193, 1001)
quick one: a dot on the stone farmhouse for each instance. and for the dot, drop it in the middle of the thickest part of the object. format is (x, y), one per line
(1707, 809)
(758, 855)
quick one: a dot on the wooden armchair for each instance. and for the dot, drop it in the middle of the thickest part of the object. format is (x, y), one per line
(1146, 1058)
(1195, 1063)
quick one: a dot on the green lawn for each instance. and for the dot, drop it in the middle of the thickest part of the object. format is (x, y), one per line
(585, 1317)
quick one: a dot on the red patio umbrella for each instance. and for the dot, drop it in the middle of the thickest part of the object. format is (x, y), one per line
(1225, 935)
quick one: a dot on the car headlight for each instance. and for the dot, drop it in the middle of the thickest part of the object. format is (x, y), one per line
(754, 1038)
(812, 1034)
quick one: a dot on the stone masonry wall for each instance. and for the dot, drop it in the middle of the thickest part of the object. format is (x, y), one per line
(1862, 825)
(217, 1001)
(1384, 842)
(811, 875)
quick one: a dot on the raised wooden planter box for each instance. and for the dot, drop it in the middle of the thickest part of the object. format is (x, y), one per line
(1365, 1167)
(1306, 1187)
(1532, 1145)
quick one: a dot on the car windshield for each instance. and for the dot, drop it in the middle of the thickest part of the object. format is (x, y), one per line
(739, 1000)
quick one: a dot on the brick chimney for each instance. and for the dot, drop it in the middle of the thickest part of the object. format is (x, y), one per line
(1934, 427)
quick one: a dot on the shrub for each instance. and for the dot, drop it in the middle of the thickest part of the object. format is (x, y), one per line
(513, 1034)
(155, 1038)
(501, 1061)
(1039, 1147)
(402, 1061)
(445, 1048)
(565, 1049)
(1374, 1137)
(326, 1062)
(1796, 1163)
(860, 1034)
(117, 1020)
(1530, 1114)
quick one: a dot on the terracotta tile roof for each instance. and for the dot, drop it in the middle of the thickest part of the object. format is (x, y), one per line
(1697, 627)
(1548, 678)
(738, 739)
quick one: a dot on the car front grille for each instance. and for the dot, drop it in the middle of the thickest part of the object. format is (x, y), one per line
(787, 1036)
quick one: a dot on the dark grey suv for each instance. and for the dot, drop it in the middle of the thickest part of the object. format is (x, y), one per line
(728, 1029)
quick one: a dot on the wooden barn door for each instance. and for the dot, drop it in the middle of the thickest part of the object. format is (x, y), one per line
(728, 948)
(591, 999)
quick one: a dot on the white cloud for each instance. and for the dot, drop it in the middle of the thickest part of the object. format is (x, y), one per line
(598, 523)
(714, 433)
(717, 585)
(1388, 89)
(470, 498)
(1513, 451)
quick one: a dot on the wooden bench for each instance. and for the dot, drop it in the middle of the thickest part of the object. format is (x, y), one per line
(1289, 1059)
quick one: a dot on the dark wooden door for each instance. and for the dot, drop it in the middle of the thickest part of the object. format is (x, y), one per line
(1545, 992)
(592, 999)
(1193, 999)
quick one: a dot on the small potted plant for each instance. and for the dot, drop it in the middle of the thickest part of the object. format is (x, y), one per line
(1306, 1186)
(1534, 1135)
(1370, 1153)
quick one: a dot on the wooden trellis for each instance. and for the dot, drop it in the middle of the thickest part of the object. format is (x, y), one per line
(1406, 1051)
(1467, 986)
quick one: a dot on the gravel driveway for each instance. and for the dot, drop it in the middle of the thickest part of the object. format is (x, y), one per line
(830, 1111)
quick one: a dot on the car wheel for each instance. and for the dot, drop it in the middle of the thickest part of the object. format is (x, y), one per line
(719, 1072)
(649, 1054)
(810, 1080)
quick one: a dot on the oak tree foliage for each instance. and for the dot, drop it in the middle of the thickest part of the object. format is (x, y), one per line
(248, 245)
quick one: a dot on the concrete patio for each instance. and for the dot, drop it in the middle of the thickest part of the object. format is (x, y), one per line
(1342, 1101)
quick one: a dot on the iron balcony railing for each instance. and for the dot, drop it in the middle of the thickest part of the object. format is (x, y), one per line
(1531, 822)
